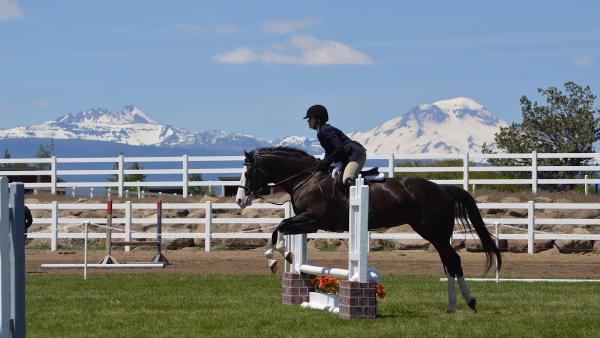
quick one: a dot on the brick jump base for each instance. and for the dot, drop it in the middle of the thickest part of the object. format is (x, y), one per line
(357, 300)
(296, 288)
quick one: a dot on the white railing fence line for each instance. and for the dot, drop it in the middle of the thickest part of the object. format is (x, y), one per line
(185, 166)
(527, 223)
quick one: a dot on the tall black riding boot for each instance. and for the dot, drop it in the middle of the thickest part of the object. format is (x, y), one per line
(350, 181)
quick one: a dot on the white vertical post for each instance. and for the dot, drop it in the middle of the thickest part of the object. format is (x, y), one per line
(530, 225)
(85, 249)
(54, 227)
(296, 244)
(586, 185)
(186, 178)
(92, 192)
(4, 259)
(53, 176)
(128, 216)
(121, 175)
(466, 171)
(391, 165)
(534, 172)
(73, 194)
(207, 226)
(359, 227)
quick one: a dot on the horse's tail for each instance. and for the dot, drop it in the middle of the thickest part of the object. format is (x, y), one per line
(465, 205)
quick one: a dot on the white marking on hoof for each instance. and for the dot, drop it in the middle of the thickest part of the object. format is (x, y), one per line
(272, 263)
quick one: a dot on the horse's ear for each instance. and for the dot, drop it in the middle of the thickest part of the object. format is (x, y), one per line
(248, 156)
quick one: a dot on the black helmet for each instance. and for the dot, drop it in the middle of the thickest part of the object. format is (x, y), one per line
(317, 111)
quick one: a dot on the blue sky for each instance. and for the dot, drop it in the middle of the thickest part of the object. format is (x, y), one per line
(254, 67)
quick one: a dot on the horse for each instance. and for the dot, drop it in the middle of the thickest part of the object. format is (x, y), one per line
(321, 203)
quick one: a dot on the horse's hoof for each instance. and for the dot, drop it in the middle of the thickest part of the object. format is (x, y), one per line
(289, 257)
(450, 311)
(272, 265)
(473, 304)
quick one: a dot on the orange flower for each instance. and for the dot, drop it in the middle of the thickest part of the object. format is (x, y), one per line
(379, 291)
(326, 284)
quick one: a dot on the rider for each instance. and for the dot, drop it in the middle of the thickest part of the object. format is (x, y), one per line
(338, 147)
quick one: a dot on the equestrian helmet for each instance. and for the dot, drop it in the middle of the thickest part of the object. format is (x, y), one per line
(317, 111)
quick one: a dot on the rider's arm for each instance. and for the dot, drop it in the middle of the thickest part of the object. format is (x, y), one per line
(331, 141)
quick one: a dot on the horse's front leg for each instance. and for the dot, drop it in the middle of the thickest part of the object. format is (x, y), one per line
(299, 224)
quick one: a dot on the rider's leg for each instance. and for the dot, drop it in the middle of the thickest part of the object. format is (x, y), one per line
(352, 170)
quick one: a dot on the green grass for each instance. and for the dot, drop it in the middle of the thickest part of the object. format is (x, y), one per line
(181, 305)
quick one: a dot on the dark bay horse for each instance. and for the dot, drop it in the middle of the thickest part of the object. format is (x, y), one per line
(321, 204)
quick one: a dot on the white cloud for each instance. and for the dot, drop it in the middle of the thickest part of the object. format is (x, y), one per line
(288, 26)
(9, 10)
(227, 29)
(582, 60)
(240, 55)
(301, 50)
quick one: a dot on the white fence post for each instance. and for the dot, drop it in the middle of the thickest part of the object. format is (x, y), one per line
(586, 185)
(207, 226)
(54, 227)
(121, 175)
(391, 165)
(53, 176)
(534, 172)
(186, 178)
(466, 171)
(530, 225)
(128, 212)
(359, 232)
(296, 244)
(139, 190)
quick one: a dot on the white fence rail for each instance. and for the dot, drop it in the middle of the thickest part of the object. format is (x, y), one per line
(187, 165)
(528, 222)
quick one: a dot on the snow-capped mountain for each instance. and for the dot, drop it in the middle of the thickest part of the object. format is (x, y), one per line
(301, 142)
(449, 126)
(128, 126)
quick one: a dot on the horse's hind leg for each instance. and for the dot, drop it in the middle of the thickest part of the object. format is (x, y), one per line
(453, 269)
(466, 293)
(451, 292)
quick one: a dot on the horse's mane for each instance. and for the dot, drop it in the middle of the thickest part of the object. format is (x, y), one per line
(284, 151)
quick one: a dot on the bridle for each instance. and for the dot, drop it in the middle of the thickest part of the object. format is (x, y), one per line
(257, 171)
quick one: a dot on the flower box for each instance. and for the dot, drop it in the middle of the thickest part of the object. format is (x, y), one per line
(323, 301)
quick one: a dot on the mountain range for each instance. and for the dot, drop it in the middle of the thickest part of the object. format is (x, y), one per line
(449, 126)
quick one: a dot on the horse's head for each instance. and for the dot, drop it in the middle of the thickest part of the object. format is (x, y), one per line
(253, 181)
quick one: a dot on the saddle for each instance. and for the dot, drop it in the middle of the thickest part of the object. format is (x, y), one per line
(373, 175)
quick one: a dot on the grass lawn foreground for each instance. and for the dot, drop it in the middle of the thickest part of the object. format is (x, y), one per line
(186, 305)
